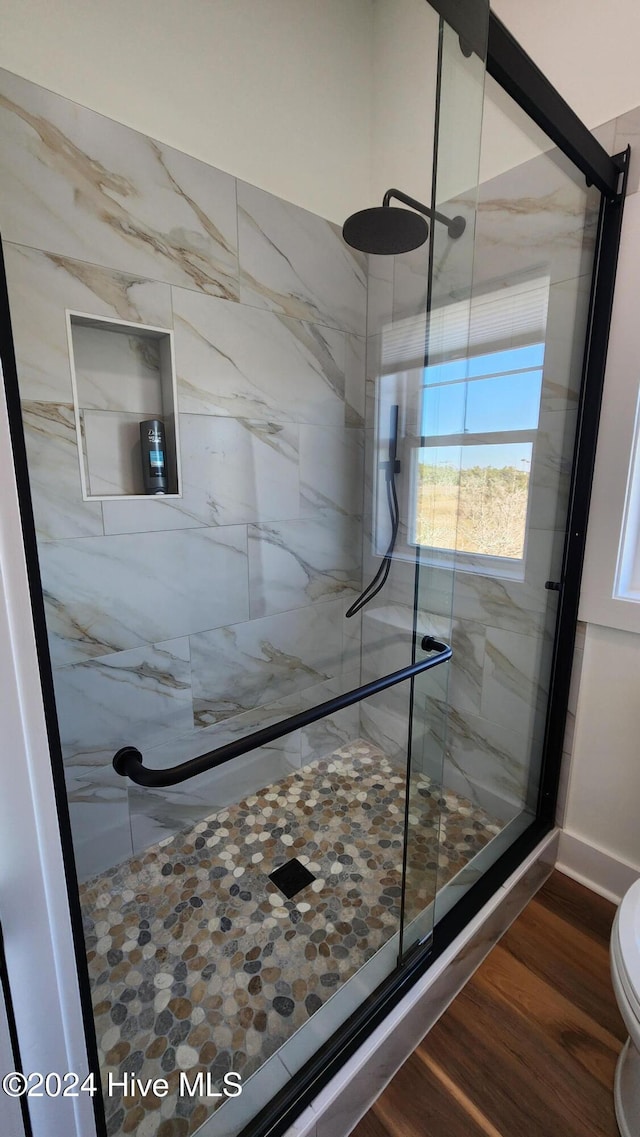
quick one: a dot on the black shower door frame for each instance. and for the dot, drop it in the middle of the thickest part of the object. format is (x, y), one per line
(518, 75)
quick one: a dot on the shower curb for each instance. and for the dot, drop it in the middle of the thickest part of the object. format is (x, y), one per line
(347, 1097)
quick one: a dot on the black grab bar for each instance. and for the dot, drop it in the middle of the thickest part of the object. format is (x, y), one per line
(128, 761)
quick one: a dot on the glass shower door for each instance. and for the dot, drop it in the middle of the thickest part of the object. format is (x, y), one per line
(433, 817)
(499, 418)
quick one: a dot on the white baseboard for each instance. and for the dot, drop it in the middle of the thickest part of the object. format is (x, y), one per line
(594, 867)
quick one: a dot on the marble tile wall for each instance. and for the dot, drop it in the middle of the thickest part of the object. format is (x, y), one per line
(482, 732)
(176, 625)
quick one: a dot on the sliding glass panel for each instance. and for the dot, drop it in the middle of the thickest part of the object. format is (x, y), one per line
(444, 400)
(498, 458)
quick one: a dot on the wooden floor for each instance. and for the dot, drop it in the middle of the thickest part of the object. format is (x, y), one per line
(529, 1047)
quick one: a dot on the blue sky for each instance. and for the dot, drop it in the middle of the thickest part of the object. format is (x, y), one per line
(494, 392)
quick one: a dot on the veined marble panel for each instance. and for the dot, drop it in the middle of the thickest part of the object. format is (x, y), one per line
(379, 296)
(135, 698)
(565, 343)
(539, 216)
(410, 277)
(117, 371)
(296, 263)
(112, 448)
(83, 186)
(234, 471)
(515, 682)
(354, 380)
(484, 754)
(351, 639)
(108, 594)
(325, 735)
(241, 667)
(502, 602)
(235, 360)
(331, 462)
(551, 469)
(466, 679)
(54, 474)
(294, 563)
(387, 728)
(453, 259)
(100, 824)
(41, 286)
(157, 813)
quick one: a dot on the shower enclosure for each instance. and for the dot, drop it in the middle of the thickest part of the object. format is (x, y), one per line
(306, 707)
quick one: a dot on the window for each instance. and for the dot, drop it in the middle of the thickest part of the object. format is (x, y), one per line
(469, 425)
(471, 472)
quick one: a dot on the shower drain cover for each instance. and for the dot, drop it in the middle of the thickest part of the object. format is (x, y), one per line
(291, 877)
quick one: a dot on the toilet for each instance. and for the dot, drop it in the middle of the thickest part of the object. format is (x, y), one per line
(625, 973)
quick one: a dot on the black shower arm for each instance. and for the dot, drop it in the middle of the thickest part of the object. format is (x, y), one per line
(455, 225)
(128, 761)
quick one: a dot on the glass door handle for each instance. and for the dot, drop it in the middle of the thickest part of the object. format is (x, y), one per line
(553, 585)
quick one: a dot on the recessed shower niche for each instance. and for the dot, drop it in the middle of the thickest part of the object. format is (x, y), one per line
(122, 374)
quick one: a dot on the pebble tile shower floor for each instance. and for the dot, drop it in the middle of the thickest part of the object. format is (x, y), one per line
(198, 962)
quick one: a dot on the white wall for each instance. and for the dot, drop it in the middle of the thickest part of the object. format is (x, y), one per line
(603, 801)
(589, 50)
(403, 91)
(276, 92)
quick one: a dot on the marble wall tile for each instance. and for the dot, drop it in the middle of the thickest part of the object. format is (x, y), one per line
(100, 825)
(41, 286)
(327, 734)
(386, 727)
(454, 260)
(198, 740)
(466, 687)
(83, 186)
(515, 679)
(248, 664)
(565, 337)
(379, 296)
(539, 216)
(295, 563)
(112, 452)
(480, 753)
(108, 594)
(294, 262)
(551, 469)
(410, 277)
(234, 471)
(351, 639)
(117, 371)
(331, 469)
(157, 813)
(54, 474)
(354, 380)
(136, 698)
(235, 360)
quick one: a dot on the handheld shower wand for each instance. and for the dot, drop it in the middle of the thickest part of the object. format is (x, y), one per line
(391, 468)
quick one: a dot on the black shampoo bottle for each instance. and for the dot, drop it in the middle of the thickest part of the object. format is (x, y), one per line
(154, 456)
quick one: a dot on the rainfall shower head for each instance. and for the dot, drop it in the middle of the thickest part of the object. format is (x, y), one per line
(386, 230)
